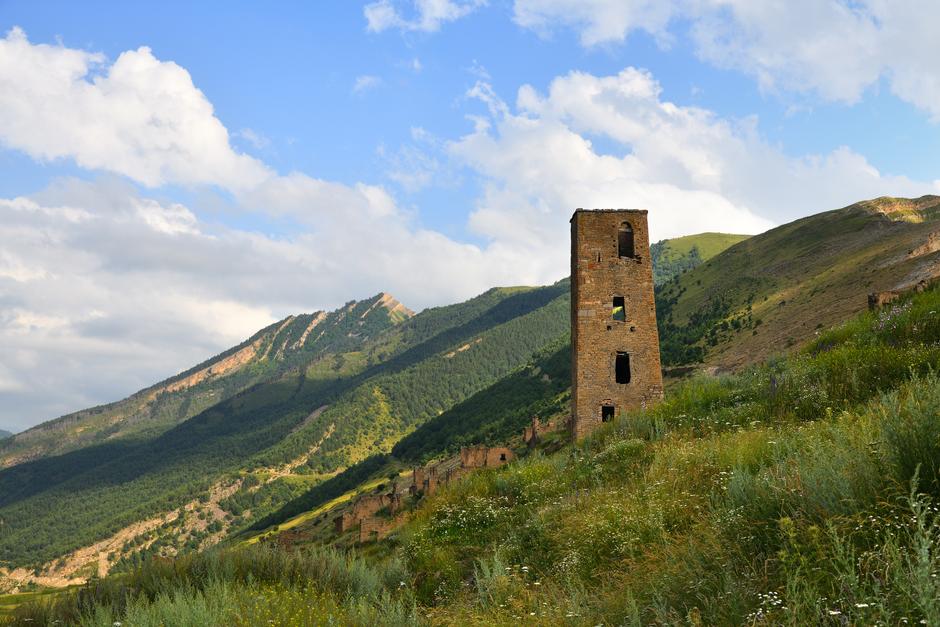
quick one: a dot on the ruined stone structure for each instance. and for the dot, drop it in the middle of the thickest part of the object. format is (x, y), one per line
(374, 524)
(877, 300)
(485, 457)
(533, 434)
(614, 340)
(366, 506)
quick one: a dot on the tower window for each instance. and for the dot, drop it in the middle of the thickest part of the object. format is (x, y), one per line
(502, 457)
(625, 240)
(622, 368)
(607, 413)
(619, 309)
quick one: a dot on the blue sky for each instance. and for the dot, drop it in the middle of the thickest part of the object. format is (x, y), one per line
(175, 175)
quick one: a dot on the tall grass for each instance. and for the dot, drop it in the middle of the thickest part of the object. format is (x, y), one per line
(211, 588)
(804, 491)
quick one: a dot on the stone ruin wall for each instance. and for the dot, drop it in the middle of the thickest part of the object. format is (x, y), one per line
(425, 480)
(600, 271)
(534, 433)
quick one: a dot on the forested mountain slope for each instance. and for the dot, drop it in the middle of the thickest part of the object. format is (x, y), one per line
(273, 350)
(300, 428)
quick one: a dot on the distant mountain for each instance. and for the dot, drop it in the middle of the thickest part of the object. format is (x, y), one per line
(292, 419)
(4, 434)
(675, 256)
(267, 354)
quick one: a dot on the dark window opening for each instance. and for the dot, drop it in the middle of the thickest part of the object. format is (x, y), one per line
(625, 240)
(622, 368)
(502, 457)
(619, 309)
(607, 413)
(598, 257)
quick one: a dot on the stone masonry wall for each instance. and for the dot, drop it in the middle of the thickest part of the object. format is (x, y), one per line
(598, 274)
(485, 457)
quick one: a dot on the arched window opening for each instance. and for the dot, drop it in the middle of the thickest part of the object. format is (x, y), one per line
(625, 240)
(622, 368)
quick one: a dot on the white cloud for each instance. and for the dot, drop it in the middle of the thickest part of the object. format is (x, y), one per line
(138, 116)
(597, 21)
(693, 170)
(429, 14)
(836, 49)
(365, 83)
(104, 291)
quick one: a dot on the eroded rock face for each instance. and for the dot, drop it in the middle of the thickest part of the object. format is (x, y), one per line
(614, 339)
(931, 245)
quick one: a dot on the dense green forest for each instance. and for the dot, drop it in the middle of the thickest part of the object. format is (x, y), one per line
(491, 416)
(433, 361)
(800, 491)
(280, 348)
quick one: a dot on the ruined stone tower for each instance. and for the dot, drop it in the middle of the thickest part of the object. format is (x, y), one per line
(614, 341)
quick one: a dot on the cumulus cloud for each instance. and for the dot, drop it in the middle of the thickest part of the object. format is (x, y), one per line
(139, 116)
(106, 287)
(693, 170)
(429, 15)
(832, 48)
(104, 291)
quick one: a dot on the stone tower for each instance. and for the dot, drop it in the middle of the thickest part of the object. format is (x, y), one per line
(614, 341)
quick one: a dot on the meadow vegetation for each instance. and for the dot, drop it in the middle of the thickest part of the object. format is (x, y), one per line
(802, 491)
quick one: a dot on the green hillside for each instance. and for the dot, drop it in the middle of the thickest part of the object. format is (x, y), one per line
(4, 434)
(325, 402)
(772, 292)
(300, 427)
(801, 491)
(282, 346)
(672, 257)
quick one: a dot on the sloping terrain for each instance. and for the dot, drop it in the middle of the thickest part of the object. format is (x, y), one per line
(774, 291)
(801, 492)
(310, 415)
(299, 427)
(270, 352)
(672, 257)
(4, 434)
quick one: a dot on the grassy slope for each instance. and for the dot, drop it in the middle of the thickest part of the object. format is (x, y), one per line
(708, 244)
(781, 495)
(672, 257)
(56, 504)
(800, 277)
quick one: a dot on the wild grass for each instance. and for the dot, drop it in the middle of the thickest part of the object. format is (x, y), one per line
(802, 492)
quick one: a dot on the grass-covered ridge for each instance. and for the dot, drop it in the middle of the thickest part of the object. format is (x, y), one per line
(803, 491)
(672, 257)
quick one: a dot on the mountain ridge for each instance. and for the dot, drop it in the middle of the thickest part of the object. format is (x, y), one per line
(283, 338)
